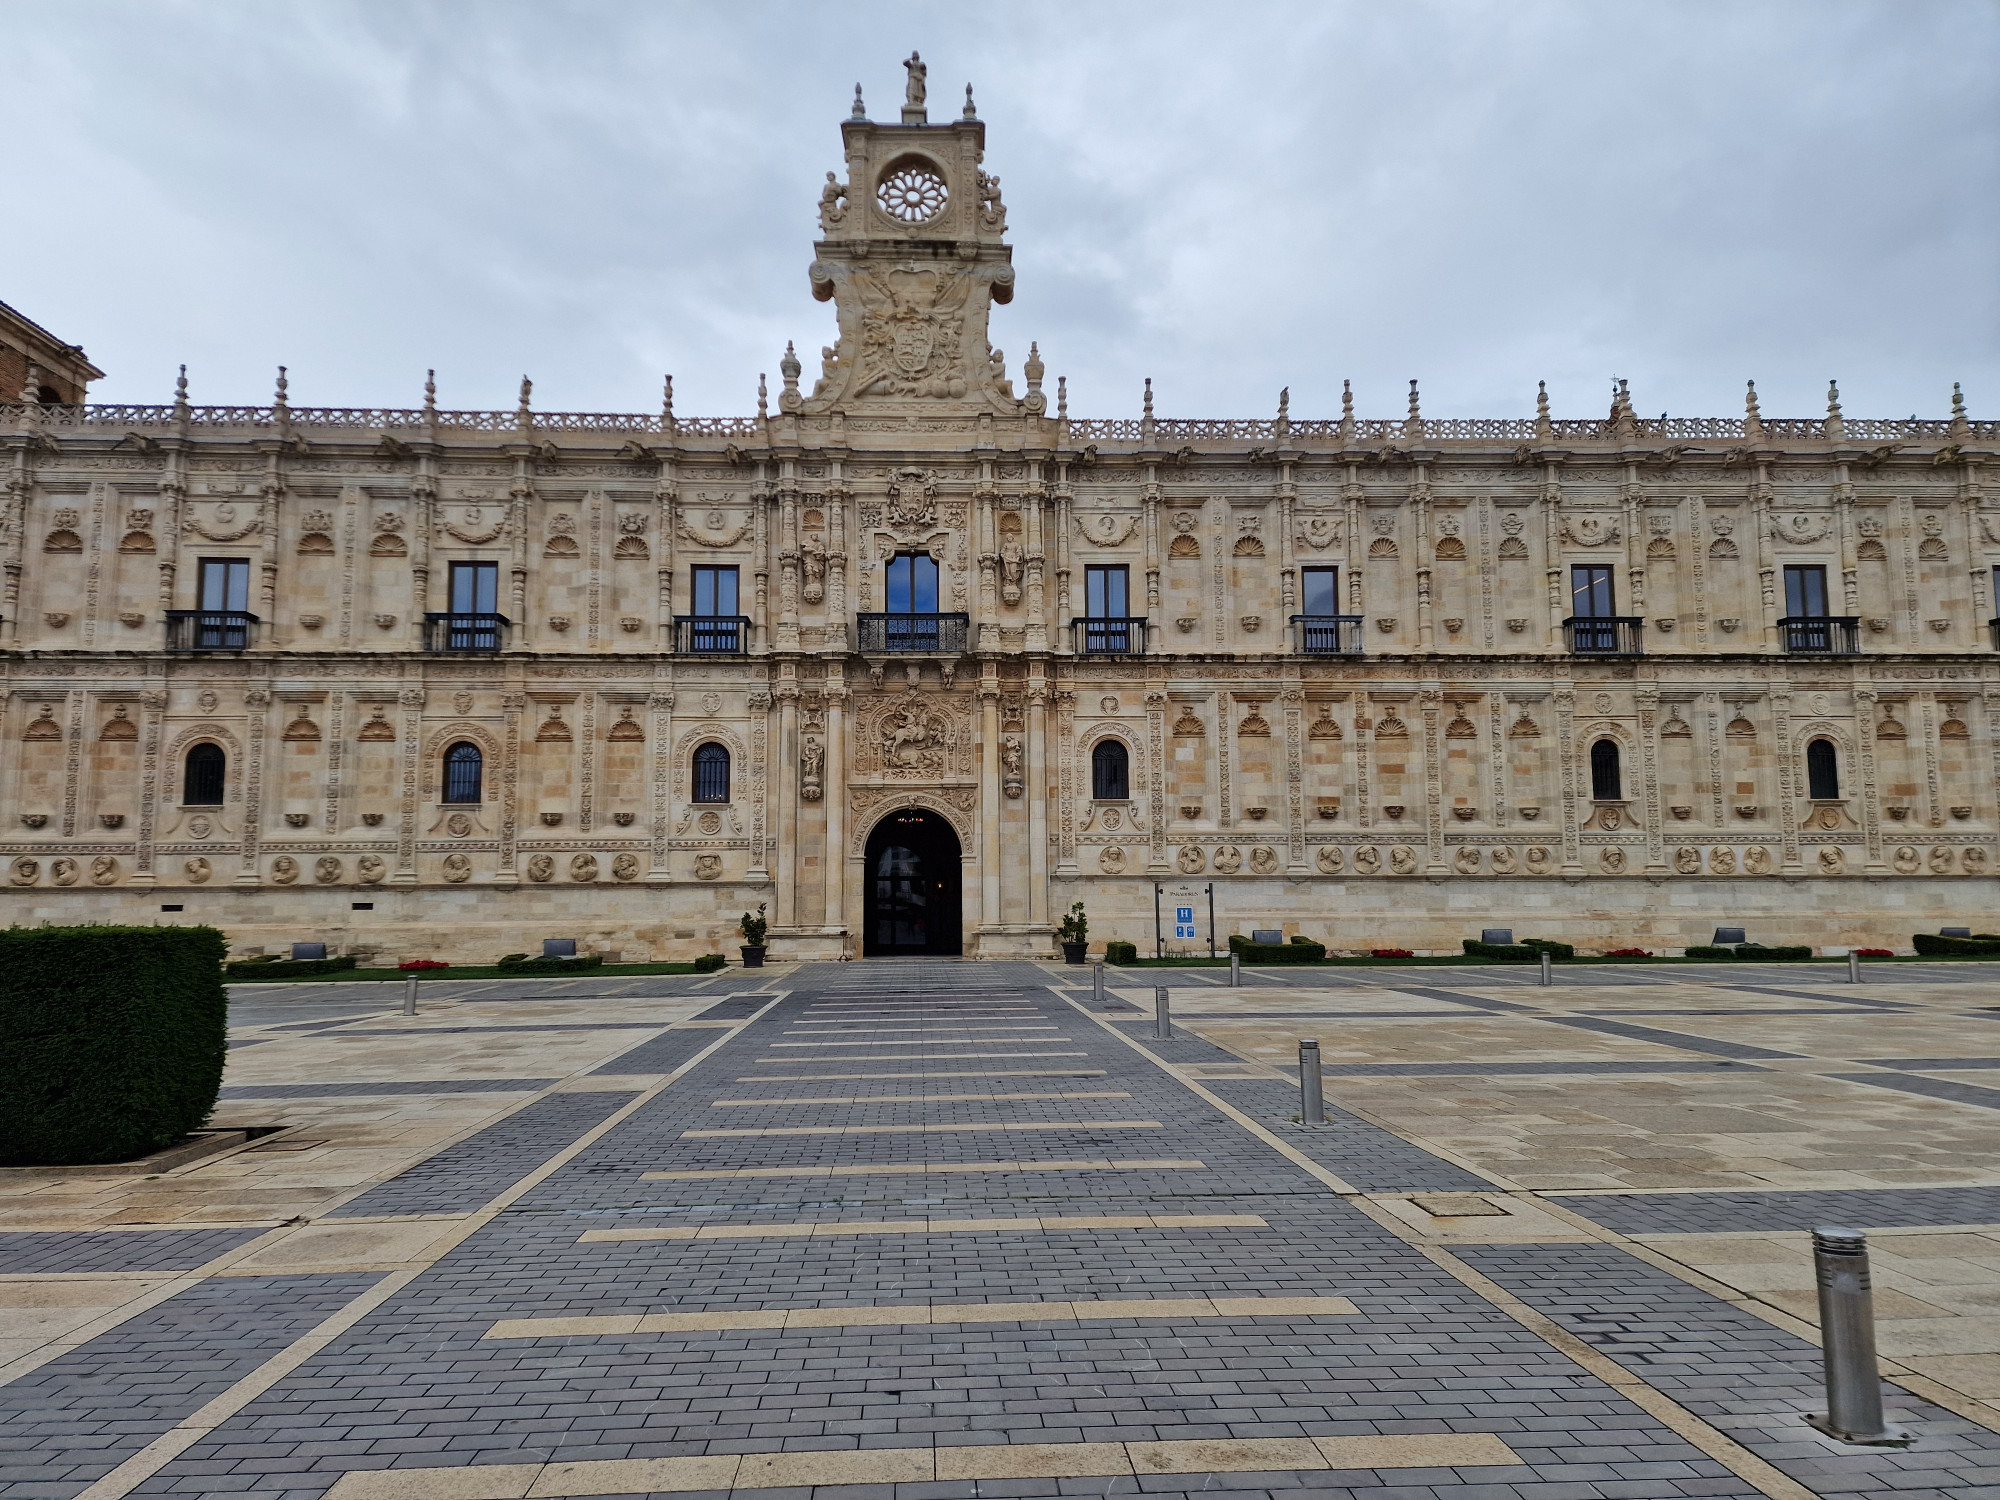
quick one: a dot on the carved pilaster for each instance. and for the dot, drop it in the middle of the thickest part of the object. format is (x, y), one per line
(412, 702)
(1294, 700)
(1648, 698)
(1156, 775)
(1038, 803)
(1431, 699)
(1065, 782)
(1868, 766)
(760, 756)
(1566, 772)
(1788, 773)
(152, 729)
(661, 705)
(257, 707)
(333, 820)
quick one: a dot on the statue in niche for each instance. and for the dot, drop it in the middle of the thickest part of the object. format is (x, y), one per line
(812, 766)
(1011, 558)
(812, 554)
(1010, 767)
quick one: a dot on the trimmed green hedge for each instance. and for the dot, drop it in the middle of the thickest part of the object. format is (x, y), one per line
(708, 963)
(1980, 944)
(114, 1040)
(1299, 950)
(1121, 953)
(1527, 951)
(272, 968)
(520, 963)
(1752, 953)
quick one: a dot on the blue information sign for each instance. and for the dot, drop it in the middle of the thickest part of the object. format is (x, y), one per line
(1184, 922)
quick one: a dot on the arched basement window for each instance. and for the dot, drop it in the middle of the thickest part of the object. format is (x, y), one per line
(1109, 778)
(202, 784)
(711, 773)
(1605, 783)
(1822, 771)
(463, 769)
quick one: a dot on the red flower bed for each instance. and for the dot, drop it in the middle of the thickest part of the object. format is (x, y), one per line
(1628, 953)
(1876, 952)
(424, 963)
(1390, 953)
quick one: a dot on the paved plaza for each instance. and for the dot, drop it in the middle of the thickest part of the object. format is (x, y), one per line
(912, 1230)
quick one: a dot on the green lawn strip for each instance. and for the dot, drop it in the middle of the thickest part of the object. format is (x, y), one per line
(468, 971)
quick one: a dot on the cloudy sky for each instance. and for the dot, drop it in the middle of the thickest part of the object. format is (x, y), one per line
(1229, 198)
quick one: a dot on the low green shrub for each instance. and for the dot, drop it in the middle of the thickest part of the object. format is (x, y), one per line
(115, 1040)
(708, 963)
(1300, 950)
(521, 963)
(1527, 951)
(1980, 944)
(1121, 953)
(1505, 953)
(275, 967)
(1753, 953)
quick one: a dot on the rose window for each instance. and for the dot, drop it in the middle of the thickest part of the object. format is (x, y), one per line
(912, 194)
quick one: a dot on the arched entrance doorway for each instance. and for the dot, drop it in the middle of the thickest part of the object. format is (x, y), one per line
(910, 901)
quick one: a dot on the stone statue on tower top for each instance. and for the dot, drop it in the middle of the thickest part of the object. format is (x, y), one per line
(914, 97)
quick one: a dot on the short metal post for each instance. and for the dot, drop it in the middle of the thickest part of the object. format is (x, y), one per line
(1847, 1341)
(1236, 971)
(409, 994)
(1312, 1100)
(1097, 982)
(1163, 1025)
(1853, 967)
(1548, 968)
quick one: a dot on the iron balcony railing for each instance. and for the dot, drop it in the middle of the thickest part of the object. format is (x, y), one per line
(931, 634)
(712, 635)
(1108, 637)
(465, 635)
(1605, 635)
(210, 630)
(1821, 635)
(1326, 635)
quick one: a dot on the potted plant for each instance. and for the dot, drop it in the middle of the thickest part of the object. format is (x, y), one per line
(1073, 935)
(753, 926)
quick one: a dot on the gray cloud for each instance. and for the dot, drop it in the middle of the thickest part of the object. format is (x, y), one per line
(1228, 199)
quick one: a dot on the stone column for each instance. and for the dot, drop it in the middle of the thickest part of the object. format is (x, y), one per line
(835, 797)
(788, 802)
(1038, 803)
(989, 797)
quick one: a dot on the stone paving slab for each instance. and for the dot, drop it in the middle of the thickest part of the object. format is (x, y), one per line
(1719, 1213)
(1750, 1379)
(26, 1252)
(461, 1178)
(303, 1090)
(76, 1418)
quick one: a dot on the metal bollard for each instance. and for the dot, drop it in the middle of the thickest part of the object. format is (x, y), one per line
(1097, 982)
(1847, 1341)
(1312, 1099)
(1163, 1025)
(1548, 968)
(1236, 971)
(1853, 967)
(409, 994)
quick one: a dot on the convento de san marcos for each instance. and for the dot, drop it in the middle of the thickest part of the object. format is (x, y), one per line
(917, 659)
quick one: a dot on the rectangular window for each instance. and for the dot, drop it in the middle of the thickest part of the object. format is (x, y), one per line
(714, 592)
(1321, 591)
(1805, 591)
(912, 584)
(225, 584)
(475, 588)
(1104, 593)
(1590, 592)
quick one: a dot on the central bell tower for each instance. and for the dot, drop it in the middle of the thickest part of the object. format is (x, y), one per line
(912, 254)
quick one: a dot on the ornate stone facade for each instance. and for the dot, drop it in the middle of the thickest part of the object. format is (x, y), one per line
(1416, 765)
